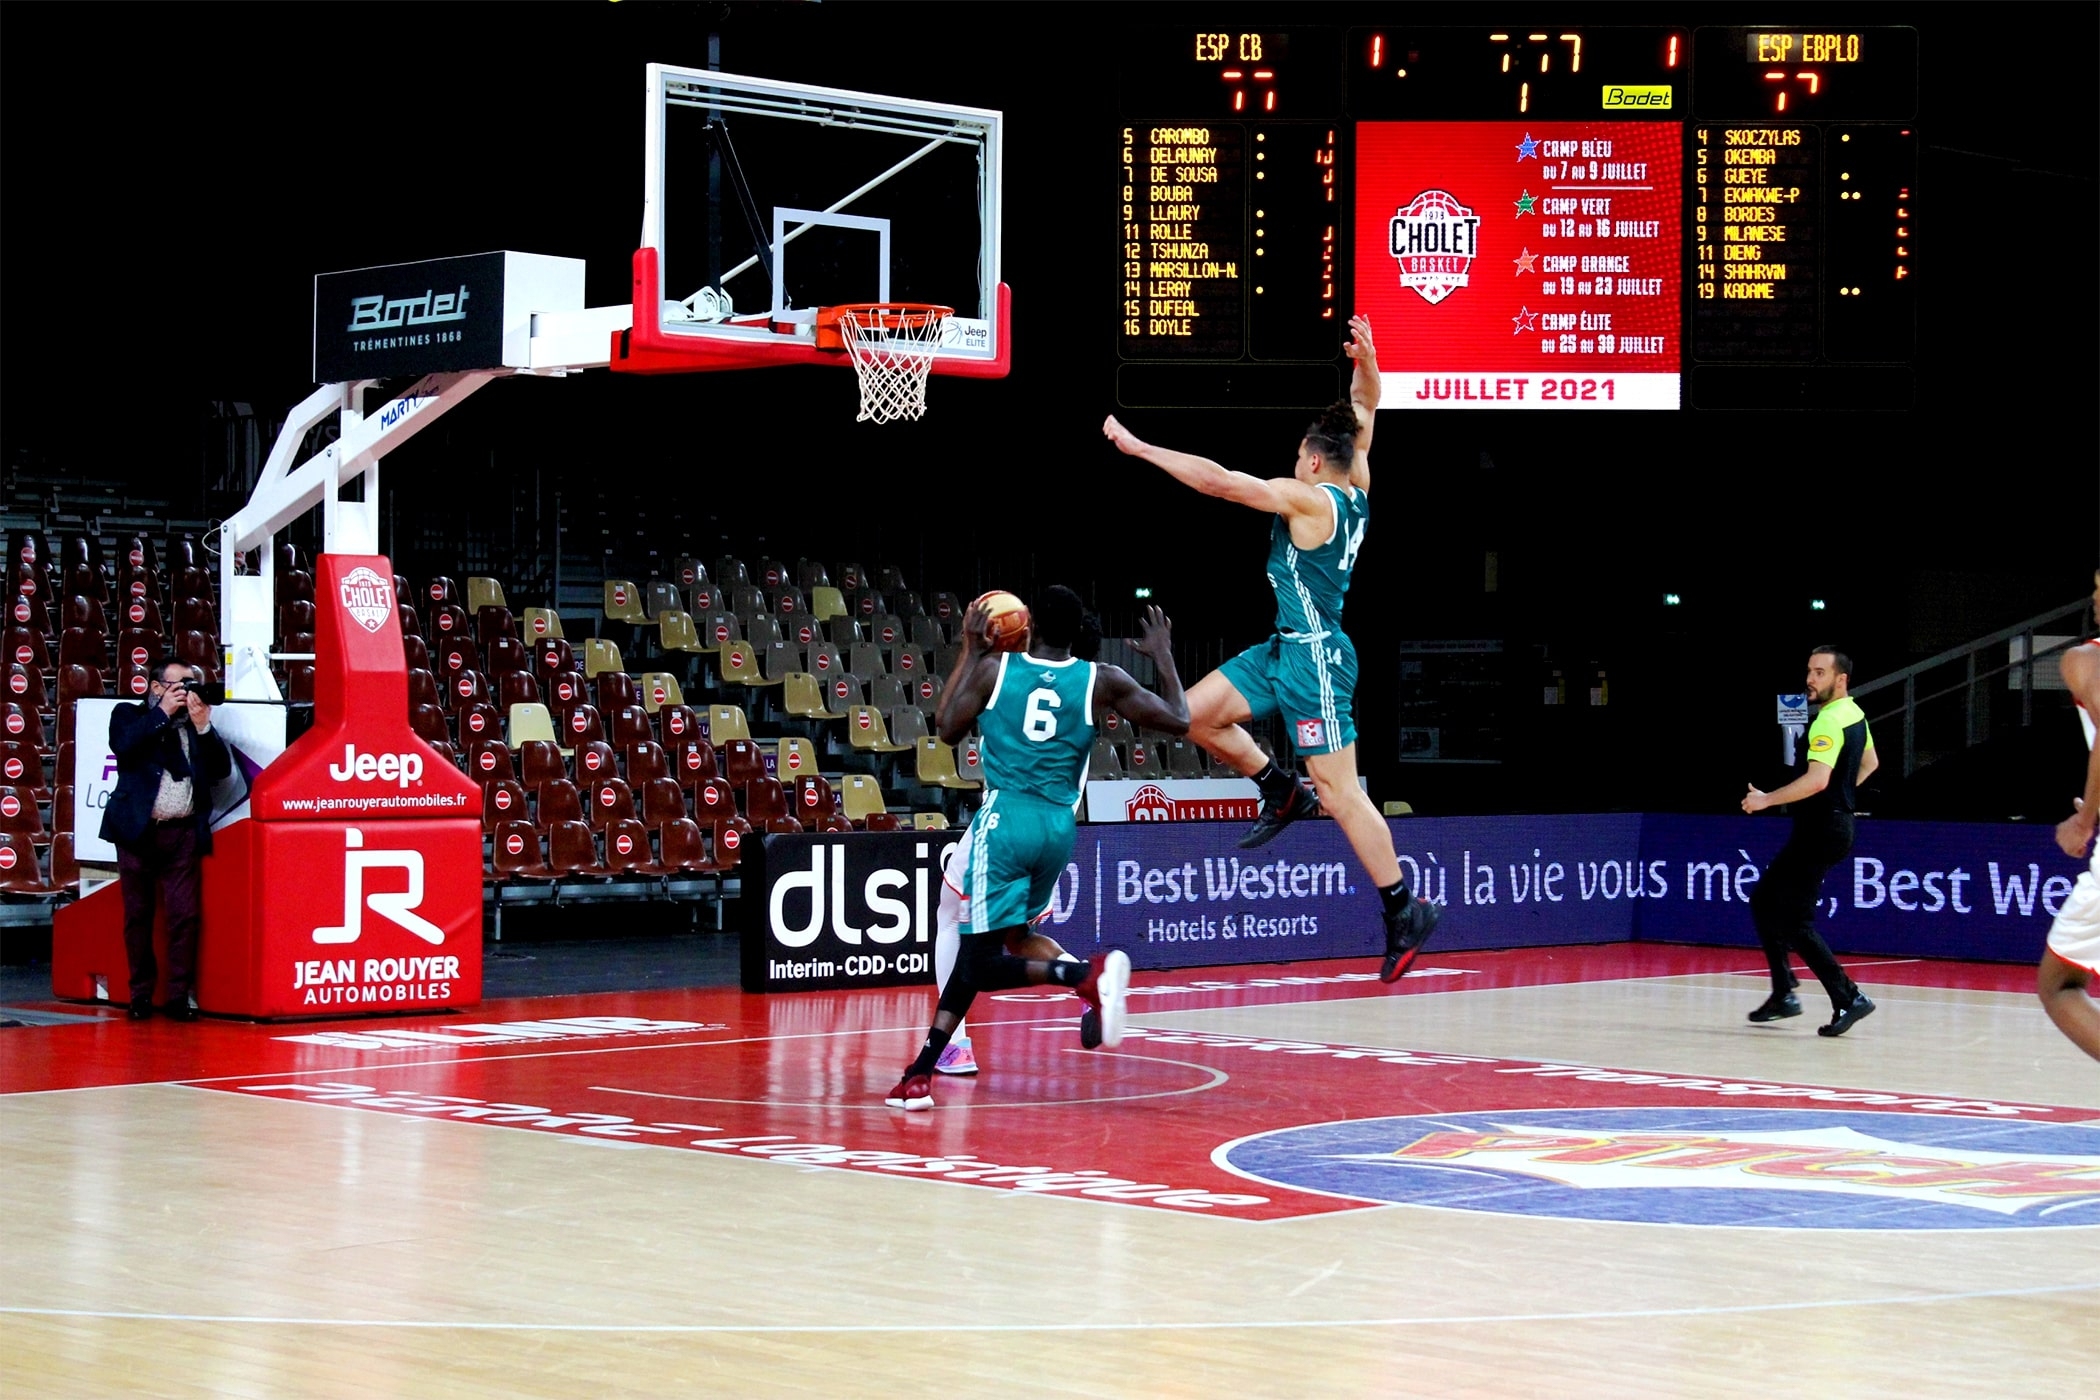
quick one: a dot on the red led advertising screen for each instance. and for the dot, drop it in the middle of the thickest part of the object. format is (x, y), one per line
(1522, 264)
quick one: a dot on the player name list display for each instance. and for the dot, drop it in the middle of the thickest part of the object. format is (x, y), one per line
(1755, 198)
(1184, 237)
(1522, 265)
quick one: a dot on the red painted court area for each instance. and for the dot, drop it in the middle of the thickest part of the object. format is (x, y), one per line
(798, 1079)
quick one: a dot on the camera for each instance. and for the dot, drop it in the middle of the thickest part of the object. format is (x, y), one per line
(210, 692)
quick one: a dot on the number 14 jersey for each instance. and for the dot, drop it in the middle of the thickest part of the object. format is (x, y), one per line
(1038, 727)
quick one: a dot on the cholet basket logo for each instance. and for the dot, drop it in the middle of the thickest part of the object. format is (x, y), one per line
(1768, 1168)
(1434, 240)
(368, 598)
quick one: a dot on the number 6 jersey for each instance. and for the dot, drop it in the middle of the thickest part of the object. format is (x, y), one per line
(1038, 727)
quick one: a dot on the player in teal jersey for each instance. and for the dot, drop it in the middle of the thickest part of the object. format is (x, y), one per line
(1306, 672)
(1036, 712)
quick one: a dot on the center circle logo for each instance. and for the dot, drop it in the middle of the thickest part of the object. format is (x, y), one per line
(1766, 1168)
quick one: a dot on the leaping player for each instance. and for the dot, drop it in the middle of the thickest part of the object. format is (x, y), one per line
(2072, 958)
(1306, 672)
(1036, 711)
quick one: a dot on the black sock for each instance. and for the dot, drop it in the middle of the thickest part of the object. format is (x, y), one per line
(1275, 784)
(936, 1041)
(1070, 974)
(1395, 897)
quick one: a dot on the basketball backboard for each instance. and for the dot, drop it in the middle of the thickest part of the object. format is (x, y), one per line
(764, 201)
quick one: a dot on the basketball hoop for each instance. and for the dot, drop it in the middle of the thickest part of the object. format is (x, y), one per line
(891, 345)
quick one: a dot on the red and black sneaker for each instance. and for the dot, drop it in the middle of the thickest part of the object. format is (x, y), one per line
(1405, 933)
(1300, 801)
(913, 1091)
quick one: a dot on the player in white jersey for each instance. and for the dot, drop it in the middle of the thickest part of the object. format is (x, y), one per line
(2072, 959)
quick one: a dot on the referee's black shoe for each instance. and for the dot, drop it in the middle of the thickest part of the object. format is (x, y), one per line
(1300, 801)
(1777, 1007)
(1405, 933)
(1849, 1015)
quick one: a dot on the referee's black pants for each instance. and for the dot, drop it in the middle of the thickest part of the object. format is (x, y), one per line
(1783, 906)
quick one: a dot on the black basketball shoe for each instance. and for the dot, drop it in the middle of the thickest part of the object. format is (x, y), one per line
(1300, 801)
(1405, 933)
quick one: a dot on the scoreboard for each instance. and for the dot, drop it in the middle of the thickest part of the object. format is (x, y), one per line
(1533, 218)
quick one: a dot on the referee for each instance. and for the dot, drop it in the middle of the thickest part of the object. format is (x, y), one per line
(1783, 906)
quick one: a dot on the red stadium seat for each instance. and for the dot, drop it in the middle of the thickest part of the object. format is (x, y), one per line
(22, 766)
(646, 762)
(65, 866)
(662, 801)
(466, 689)
(540, 763)
(429, 723)
(84, 612)
(559, 802)
(506, 655)
(79, 647)
(501, 801)
(25, 685)
(515, 688)
(617, 688)
(565, 690)
(630, 726)
(683, 847)
(448, 620)
(493, 622)
(551, 656)
(488, 760)
(714, 801)
(581, 725)
(572, 850)
(627, 848)
(415, 651)
(610, 800)
(442, 590)
(19, 814)
(19, 871)
(24, 646)
(595, 760)
(515, 852)
(22, 722)
(422, 688)
(742, 762)
(679, 723)
(456, 654)
(692, 763)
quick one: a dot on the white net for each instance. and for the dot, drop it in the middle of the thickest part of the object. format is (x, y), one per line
(892, 349)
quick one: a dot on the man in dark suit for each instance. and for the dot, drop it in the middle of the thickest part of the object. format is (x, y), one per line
(159, 819)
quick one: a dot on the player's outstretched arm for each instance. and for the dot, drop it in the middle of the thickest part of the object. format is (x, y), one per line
(969, 686)
(1199, 473)
(1364, 391)
(2081, 673)
(1115, 689)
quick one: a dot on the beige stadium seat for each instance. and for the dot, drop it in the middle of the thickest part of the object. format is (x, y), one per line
(659, 688)
(678, 632)
(794, 758)
(484, 593)
(862, 797)
(826, 603)
(601, 656)
(802, 696)
(725, 722)
(866, 732)
(539, 624)
(623, 601)
(936, 765)
(530, 722)
(929, 821)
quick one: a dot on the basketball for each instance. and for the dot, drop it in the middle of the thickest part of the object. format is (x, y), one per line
(1009, 620)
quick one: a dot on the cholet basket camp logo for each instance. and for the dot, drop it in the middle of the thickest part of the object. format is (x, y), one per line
(368, 598)
(1434, 240)
(1770, 1168)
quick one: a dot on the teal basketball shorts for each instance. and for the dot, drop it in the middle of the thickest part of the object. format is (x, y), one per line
(1019, 846)
(1308, 684)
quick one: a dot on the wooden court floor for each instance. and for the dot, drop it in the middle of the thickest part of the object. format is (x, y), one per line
(1562, 1172)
